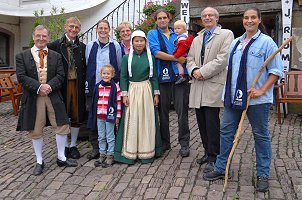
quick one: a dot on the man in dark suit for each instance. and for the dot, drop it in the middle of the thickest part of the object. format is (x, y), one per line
(41, 74)
(73, 89)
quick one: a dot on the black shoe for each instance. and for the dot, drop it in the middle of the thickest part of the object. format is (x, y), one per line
(184, 152)
(38, 169)
(67, 163)
(213, 175)
(262, 184)
(180, 79)
(209, 167)
(166, 148)
(94, 154)
(203, 159)
(74, 152)
(67, 152)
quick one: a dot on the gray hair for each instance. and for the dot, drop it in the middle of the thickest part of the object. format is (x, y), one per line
(73, 19)
(40, 27)
(216, 13)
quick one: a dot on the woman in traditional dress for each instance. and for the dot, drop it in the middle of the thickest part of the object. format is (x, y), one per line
(138, 137)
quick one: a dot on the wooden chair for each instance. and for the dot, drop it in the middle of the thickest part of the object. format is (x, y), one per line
(10, 91)
(290, 91)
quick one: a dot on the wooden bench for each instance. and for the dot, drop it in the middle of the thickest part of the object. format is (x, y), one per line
(290, 91)
(10, 91)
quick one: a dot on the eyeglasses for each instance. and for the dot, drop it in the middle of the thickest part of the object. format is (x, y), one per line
(160, 18)
(209, 15)
(126, 31)
(74, 27)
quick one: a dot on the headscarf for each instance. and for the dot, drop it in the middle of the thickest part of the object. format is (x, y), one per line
(139, 33)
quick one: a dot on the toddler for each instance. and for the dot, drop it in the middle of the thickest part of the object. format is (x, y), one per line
(182, 46)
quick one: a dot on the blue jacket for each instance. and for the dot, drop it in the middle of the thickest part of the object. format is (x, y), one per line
(155, 47)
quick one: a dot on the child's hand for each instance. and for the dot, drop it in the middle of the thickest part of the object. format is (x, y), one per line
(117, 120)
(126, 101)
(156, 100)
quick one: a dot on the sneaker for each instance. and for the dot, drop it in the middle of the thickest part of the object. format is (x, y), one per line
(262, 184)
(108, 162)
(74, 152)
(213, 175)
(100, 161)
(209, 167)
(184, 152)
(179, 80)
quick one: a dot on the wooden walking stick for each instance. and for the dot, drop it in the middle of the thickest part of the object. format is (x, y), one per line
(237, 136)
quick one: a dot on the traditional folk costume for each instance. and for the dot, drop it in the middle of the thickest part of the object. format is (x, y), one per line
(138, 136)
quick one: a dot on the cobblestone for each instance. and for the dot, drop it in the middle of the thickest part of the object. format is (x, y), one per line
(168, 177)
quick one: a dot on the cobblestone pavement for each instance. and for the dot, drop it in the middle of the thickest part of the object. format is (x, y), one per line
(169, 177)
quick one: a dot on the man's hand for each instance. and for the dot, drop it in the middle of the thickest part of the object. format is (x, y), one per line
(197, 75)
(181, 60)
(45, 89)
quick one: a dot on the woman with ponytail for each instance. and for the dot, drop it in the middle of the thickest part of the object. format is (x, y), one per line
(246, 56)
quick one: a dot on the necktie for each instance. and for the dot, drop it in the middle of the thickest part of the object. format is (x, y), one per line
(207, 35)
(42, 54)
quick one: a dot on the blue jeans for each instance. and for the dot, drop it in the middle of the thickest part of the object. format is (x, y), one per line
(258, 118)
(106, 136)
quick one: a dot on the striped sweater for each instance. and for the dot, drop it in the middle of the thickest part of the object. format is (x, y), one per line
(104, 92)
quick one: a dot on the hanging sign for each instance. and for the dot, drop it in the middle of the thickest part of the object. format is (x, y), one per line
(287, 8)
(184, 11)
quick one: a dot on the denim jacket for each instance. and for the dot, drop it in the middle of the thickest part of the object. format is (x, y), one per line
(259, 51)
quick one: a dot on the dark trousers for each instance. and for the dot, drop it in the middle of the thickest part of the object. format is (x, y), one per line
(209, 127)
(180, 95)
(93, 136)
(93, 139)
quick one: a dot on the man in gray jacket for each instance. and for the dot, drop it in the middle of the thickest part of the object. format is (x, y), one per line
(207, 62)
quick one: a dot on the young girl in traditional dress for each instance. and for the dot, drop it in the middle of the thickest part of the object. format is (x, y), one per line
(138, 137)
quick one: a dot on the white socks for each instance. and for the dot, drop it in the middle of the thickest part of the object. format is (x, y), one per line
(38, 145)
(74, 132)
(61, 141)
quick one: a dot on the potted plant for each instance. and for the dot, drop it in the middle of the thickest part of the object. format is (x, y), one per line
(148, 23)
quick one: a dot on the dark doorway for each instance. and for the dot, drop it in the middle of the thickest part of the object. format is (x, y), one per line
(4, 50)
(234, 23)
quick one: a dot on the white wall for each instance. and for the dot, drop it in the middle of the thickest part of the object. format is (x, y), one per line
(88, 18)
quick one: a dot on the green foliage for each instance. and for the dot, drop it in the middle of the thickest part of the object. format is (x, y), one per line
(236, 197)
(55, 23)
(147, 23)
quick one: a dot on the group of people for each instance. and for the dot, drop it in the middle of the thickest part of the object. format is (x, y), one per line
(125, 90)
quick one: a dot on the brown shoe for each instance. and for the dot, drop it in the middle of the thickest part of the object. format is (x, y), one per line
(100, 161)
(108, 162)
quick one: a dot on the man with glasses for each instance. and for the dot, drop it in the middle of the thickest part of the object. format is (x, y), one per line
(73, 90)
(207, 61)
(40, 72)
(161, 42)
